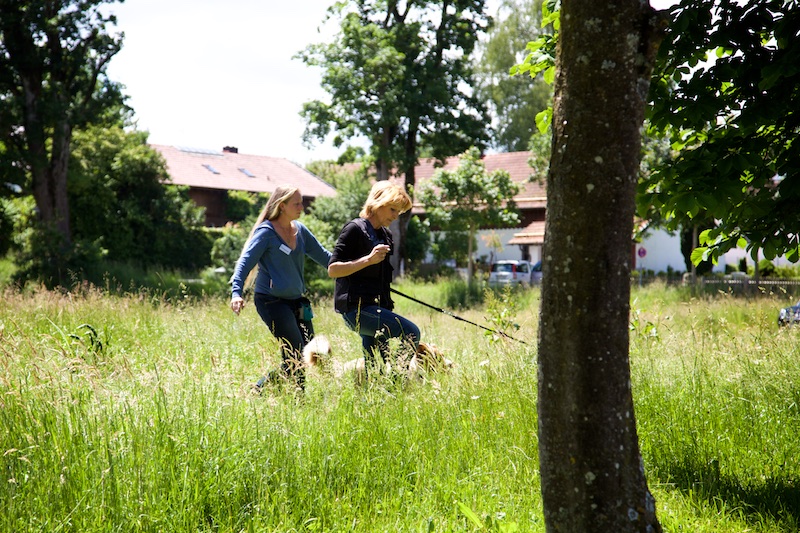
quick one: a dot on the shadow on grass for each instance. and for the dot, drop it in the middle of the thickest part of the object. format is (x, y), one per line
(772, 497)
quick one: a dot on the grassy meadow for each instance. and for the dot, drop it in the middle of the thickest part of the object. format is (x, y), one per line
(135, 413)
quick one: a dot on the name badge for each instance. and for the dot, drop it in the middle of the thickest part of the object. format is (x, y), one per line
(285, 249)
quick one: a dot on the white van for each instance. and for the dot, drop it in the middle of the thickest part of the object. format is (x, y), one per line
(511, 272)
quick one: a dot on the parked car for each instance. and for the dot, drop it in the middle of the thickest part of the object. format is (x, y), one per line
(536, 272)
(789, 315)
(510, 272)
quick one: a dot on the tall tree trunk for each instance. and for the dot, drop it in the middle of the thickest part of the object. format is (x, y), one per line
(384, 143)
(470, 264)
(400, 227)
(591, 467)
(48, 170)
(58, 176)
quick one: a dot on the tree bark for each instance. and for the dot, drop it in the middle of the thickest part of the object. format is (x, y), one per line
(591, 468)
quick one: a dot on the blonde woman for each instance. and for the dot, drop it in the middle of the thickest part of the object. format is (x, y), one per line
(360, 264)
(276, 247)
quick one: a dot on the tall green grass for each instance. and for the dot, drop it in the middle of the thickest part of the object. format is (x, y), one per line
(135, 413)
(717, 390)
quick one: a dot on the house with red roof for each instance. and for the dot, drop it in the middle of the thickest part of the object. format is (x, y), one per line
(523, 242)
(210, 174)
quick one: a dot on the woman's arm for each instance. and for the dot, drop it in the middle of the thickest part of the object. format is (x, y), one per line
(340, 269)
(314, 248)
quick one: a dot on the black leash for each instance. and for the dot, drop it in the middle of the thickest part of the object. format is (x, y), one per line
(444, 311)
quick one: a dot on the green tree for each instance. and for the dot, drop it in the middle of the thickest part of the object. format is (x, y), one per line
(418, 241)
(591, 466)
(733, 122)
(513, 101)
(53, 58)
(399, 74)
(336, 211)
(452, 245)
(118, 187)
(468, 199)
(337, 172)
(241, 205)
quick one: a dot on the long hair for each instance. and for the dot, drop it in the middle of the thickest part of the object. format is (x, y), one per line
(271, 211)
(385, 193)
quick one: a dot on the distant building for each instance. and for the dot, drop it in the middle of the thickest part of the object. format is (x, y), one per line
(522, 242)
(210, 174)
(659, 251)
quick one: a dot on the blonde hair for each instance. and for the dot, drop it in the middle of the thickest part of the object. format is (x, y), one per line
(271, 211)
(385, 193)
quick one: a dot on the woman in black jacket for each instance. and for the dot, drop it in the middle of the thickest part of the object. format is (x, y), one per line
(360, 264)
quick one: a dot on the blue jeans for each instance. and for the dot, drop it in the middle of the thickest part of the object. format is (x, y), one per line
(282, 319)
(373, 321)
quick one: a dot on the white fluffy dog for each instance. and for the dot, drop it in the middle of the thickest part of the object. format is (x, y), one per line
(317, 352)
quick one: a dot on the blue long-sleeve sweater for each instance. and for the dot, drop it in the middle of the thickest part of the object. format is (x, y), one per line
(280, 269)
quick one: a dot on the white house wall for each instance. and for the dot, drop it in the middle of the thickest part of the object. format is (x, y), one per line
(509, 251)
(662, 252)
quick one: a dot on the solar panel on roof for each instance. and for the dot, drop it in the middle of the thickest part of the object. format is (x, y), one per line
(210, 168)
(203, 151)
(247, 173)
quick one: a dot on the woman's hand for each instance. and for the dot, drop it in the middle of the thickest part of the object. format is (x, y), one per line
(342, 269)
(378, 254)
(237, 303)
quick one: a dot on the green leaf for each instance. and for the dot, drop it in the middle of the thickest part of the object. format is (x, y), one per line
(699, 255)
(705, 237)
(550, 75)
(544, 119)
(471, 516)
(769, 250)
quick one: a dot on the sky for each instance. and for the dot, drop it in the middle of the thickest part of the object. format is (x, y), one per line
(208, 73)
(211, 73)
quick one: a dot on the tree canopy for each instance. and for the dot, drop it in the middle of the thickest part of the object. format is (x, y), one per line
(53, 57)
(120, 200)
(514, 101)
(727, 92)
(399, 74)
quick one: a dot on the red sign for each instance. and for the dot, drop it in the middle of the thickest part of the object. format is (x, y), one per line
(642, 252)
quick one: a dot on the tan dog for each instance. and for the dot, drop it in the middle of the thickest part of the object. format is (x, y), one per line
(428, 358)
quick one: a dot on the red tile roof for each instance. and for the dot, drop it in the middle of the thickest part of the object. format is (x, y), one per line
(533, 233)
(532, 194)
(228, 170)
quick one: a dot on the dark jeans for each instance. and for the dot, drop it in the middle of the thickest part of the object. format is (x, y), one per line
(377, 325)
(293, 333)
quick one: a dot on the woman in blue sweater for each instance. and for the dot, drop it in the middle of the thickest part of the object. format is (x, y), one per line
(274, 255)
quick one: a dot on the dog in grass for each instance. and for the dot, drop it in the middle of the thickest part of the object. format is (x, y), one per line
(317, 352)
(428, 359)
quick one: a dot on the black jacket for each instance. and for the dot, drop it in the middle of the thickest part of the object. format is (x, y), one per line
(369, 286)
